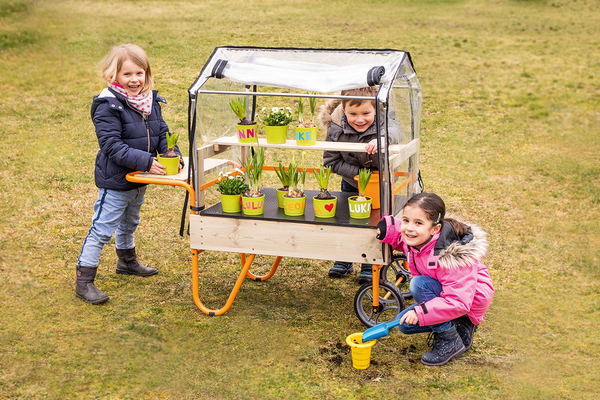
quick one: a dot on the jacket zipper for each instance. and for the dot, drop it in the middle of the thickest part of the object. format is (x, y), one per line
(145, 121)
(413, 260)
(147, 133)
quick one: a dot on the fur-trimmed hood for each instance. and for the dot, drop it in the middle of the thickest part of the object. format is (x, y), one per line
(332, 111)
(449, 250)
(455, 252)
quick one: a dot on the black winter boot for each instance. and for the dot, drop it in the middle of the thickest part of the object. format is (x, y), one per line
(466, 329)
(340, 269)
(366, 274)
(85, 288)
(445, 346)
(129, 265)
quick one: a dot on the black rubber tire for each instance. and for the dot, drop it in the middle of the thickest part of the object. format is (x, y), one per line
(388, 309)
(391, 273)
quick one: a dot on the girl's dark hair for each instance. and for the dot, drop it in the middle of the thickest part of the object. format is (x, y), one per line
(434, 207)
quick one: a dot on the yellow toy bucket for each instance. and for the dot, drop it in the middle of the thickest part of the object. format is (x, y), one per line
(361, 352)
(372, 190)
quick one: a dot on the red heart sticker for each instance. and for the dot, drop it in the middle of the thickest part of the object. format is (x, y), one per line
(329, 207)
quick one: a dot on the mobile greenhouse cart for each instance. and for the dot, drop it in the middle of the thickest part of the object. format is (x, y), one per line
(256, 73)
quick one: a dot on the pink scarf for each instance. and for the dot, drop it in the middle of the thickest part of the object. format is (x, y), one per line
(141, 102)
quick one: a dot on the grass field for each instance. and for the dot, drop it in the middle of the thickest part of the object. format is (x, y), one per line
(510, 140)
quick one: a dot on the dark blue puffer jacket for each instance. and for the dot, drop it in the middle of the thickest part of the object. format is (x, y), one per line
(128, 142)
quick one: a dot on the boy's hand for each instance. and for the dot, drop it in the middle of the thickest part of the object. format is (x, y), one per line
(157, 168)
(410, 318)
(371, 147)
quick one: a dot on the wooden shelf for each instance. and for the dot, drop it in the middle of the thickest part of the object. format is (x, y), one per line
(320, 145)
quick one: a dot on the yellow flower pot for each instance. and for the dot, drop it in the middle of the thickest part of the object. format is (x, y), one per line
(294, 205)
(247, 133)
(325, 208)
(231, 203)
(359, 209)
(253, 205)
(280, 194)
(276, 134)
(171, 163)
(305, 136)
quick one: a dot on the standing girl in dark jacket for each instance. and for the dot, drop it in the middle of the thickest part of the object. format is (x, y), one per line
(130, 131)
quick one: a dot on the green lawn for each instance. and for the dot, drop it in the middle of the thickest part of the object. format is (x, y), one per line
(510, 140)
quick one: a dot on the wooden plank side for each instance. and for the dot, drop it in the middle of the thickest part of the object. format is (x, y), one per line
(287, 239)
(400, 153)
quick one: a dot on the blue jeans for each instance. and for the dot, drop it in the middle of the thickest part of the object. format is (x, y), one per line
(423, 288)
(348, 188)
(114, 212)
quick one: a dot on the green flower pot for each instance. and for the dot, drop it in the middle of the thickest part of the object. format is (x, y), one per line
(231, 203)
(247, 133)
(276, 134)
(172, 164)
(325, 208)
(280, 194)
(305, 136)
(359, 209)
(294, 205)
(253, 205)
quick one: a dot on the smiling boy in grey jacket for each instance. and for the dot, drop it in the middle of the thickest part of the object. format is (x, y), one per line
(351, 120)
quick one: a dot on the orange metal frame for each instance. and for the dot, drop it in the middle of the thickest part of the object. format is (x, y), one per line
(245, 259)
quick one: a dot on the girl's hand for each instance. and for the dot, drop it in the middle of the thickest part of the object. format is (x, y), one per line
(410, 318)
(157, 168)
(371, 147)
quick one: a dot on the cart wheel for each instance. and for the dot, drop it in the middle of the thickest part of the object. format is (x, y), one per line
(392, 272)
(388, 307)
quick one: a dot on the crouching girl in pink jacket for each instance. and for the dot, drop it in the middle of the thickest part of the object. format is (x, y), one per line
(450, 285)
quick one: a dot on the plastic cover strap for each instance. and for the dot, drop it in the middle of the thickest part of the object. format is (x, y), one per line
(217, 71)
(375, 74)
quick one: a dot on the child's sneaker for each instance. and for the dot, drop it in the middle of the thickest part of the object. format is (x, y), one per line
(340, 269)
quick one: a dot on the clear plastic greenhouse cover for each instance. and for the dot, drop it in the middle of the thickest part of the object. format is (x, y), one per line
(316, 70)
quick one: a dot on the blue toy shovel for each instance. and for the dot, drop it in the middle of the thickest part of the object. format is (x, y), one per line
(379, 331)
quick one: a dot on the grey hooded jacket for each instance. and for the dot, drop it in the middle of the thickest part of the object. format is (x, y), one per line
(346, 164)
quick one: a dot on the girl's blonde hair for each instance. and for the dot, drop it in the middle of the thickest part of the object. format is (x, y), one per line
(113, 61)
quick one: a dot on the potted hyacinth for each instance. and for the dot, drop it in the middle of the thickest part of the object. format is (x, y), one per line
(246, 129)
(170, 159)
(284, 178)
(253, 200)
(232, 186)
(360, 206)
(276, 124)
(294, 201)
(306, 131)
(324, 202)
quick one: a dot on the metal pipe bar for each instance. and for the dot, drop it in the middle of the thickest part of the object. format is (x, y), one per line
(319, 96)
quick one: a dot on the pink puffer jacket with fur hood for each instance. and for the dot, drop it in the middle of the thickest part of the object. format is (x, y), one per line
(456, 263)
